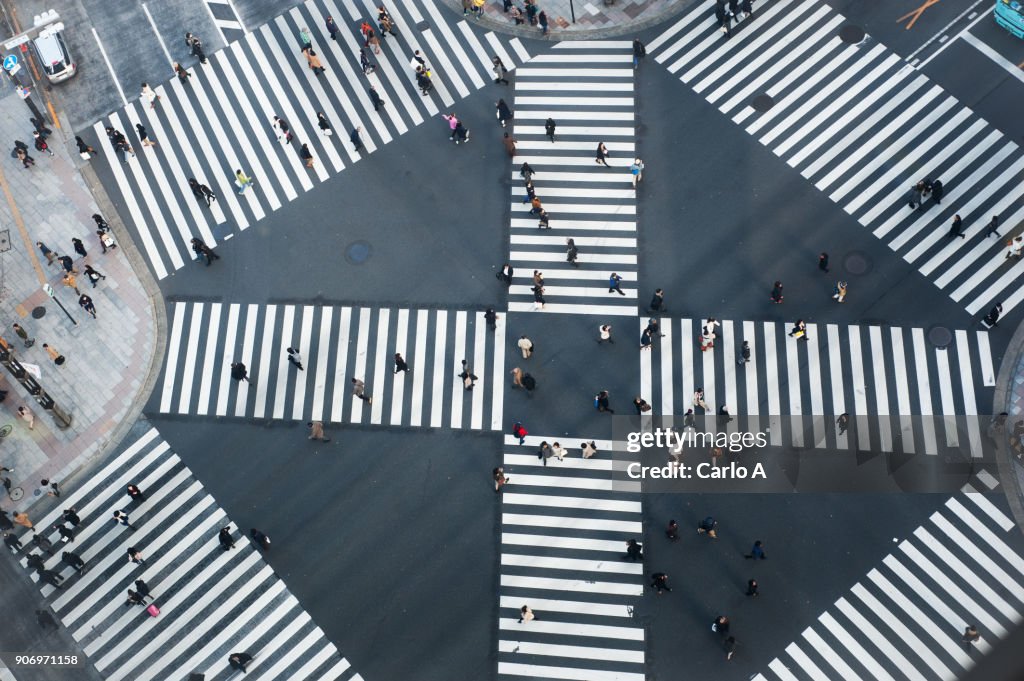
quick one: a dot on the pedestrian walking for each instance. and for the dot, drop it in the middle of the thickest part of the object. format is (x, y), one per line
(68, 264)
(602, 402)
(316, 431)
(724, 19)
(182, 74)
(423, 80)
(529, 383)
(520, 431)
(359, 390)
(544, 452)
(823, 262)
(776, 294)
(506, 274)
(84, 150)
(323, 124)
(27, 416)
(305, 39)
(634, 551)
(757, 551)
(21, 518)
(698, 399)
(331, 27)
(295, 358)
(499, 478)
(149, 95)
(306, 155)
(239, 661)
(35, 562)
(510, 145)
(94, 276)
(355, 139)
(71, 282)
(385, 21)
(558, 451)
(40, 143)
(499, 70)
(729, 644)
(23, 156)
(721, 625)
(588, 449)
(11, 542)
(200, 248)
(51, 578)
(641, 405)
(572, 253)
(526, 172)
(747, 8)
(839, 292)
(375, 99)
(708, 526)
(224, 537)
(239, 372)
(242, 181)
(707, 335)
(992, 227)
(23, 335)
(73, 559)
(614, 284)
(672, 530)
(601, 155)
(461, 133)
(915, 199)
(42, 543)
(469, 379)
(400, 363)
(142, 589)
(196, 46)
(121, 518)
(51, 351)
(491, 318)
(313, 61)
(135, 556)
(536, 207)
(517, 377)
(637, 170)
(54, 488)
(604, 333)
(85, 302)
(938, 191)
(525, 346)
(645, 340)
(282, 130)
(503, 113)
(955, 228)
(659, 581)
(79, 247)
(992, 318)
(971, 636)
(50, 256)
(202, 193)
(261, 540)
(744, 355)
(65, 532)
(843, 422)
(799, 330)
(542, 19)
(639, 52)
(526, 614)
(135, 493)
(143, 134)
(70, 515)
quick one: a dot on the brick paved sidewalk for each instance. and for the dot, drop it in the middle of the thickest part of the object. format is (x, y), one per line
(109, 359)
(593, 18)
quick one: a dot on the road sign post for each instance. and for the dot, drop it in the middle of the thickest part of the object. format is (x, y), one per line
(48, 290)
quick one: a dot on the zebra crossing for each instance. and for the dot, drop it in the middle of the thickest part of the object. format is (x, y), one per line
(965, 566)
(902, 393)
(212, 602)
(337, 344)
(563, 535)
(220, 120)
(587, 88)
(864, 126)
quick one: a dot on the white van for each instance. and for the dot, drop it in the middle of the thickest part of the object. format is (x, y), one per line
(53, 55)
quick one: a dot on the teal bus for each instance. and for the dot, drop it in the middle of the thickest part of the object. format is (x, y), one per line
(1010, 15)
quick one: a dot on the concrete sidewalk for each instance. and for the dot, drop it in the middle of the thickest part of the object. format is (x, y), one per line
(106, 377)
(593, 18)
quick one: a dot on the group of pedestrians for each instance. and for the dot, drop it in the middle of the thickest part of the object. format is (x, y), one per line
(729, 11)
(527, 13)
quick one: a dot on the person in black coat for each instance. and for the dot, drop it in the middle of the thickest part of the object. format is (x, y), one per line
(239, 661)
(261, 540)
(35, 561)
(72, 559)
(142, 589)
(224, 537)
(12, 542)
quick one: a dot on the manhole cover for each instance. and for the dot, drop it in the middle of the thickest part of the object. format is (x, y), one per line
(358, 252)
(38, 312)
(940, 337)
(851, 34)
(857, 263)
(16, 493)
(762, 103)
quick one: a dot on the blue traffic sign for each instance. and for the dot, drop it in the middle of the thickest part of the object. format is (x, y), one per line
(10, 61)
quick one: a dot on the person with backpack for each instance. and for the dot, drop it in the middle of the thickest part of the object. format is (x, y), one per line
(707, 526)
(520, 432)
(601, 402)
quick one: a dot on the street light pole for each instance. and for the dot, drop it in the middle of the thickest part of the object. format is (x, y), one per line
(572, 11)
(49, 291)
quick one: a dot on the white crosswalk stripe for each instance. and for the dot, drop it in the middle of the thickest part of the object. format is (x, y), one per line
(588, 91)
(797, 389)
(864, 126)
(562, 554)
(964, 566)
(212, 601)
(207, 338)
(220, 120)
